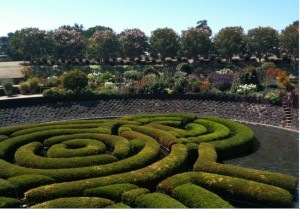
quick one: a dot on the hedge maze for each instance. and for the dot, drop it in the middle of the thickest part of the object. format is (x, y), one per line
(146, 160)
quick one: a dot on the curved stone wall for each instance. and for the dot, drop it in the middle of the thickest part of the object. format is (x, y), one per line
(21, 111)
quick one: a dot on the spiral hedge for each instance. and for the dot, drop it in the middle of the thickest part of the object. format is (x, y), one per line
(145, 160)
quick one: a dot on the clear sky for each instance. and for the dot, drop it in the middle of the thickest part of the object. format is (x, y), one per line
(146, 15)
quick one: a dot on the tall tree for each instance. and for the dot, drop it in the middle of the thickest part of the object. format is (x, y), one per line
(202, 24)
(164, 42)
(133, 42)
(68, 44)
(90, 31)
(195, 41)
(103, 44)
(289, 41)
(230, 41)
(30, 43)
(263, 41)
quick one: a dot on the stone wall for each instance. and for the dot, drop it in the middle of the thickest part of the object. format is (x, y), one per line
(33, 110)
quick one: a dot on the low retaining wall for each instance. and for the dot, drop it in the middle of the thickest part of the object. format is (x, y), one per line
(40, 109)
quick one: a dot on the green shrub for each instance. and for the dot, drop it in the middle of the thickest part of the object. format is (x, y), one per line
(25, 156)
(183, 117)
(118, 205)
(7, 202)
(58, 93)
(144, 177)
(75, 202)
(197, 197)
(119, 145)
(24, 88)
(207, 163)
(33, 84)
(3, 137)
(76, 148)
(8, 86)
(130, 196)
(136, 145)
(75, 80)
(196, 129)
(240, 142)
(157, 200)
(164, 138)
(217, 131)
(148, 155)
(25, 182)
(113, 192)
(192, 149)
(175, 131)
(273, 97)
(266, 65)
(236, 188)
(7, 189)
(184, 67)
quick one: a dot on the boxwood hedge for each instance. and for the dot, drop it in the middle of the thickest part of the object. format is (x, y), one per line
(113, 192)
(207, 163)
(194, 196)
(130, 196)
(76, 202)
(232, 187)
(157, 200)
(8, 202)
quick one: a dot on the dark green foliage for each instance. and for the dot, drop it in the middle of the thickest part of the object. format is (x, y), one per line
(241, 141)
(193, 152)
(144, 177)
(196, 129)
(163, 137)
(75, 202)
(184, 67)
(157, 200)
(3, 137)
(7, 189)
(194, 196)
(118, 205)
(232, 187)
(112, 192)
(25, 182)
(130, 196)
(25, 156)
(207, 163)
(75, 80)
(8, 202)
(216, 130)
(136, 145)
(76, 147)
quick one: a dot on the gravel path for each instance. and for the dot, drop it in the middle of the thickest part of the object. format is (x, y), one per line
(243, 111)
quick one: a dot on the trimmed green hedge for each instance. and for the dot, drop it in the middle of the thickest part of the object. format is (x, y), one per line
(76, 202)
(185, 118)
(236, 188)
(8, 202)
(7, 189)
(118, 205)
(157, 200)
(144, 177)
(10, 145)
(76, 147)
(194, 196)
(207, 163)
(136, 146)
(113, 192)
(25, 182)
(196, 129)
(240, 142)
(25, 156)
(119, 144)
(163, 137)
(175, 131)
(216, 130)
(149, 154)
(130, 196)
(3, 137)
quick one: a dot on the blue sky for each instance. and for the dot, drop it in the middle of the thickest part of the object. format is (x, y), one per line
(146, 15)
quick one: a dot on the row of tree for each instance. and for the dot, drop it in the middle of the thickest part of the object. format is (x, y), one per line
(70, 42)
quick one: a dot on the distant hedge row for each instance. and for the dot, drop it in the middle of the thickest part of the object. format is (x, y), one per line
(135, 161)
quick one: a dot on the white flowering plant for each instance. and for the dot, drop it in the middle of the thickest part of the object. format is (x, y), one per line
(225, 71)
(246, 89)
